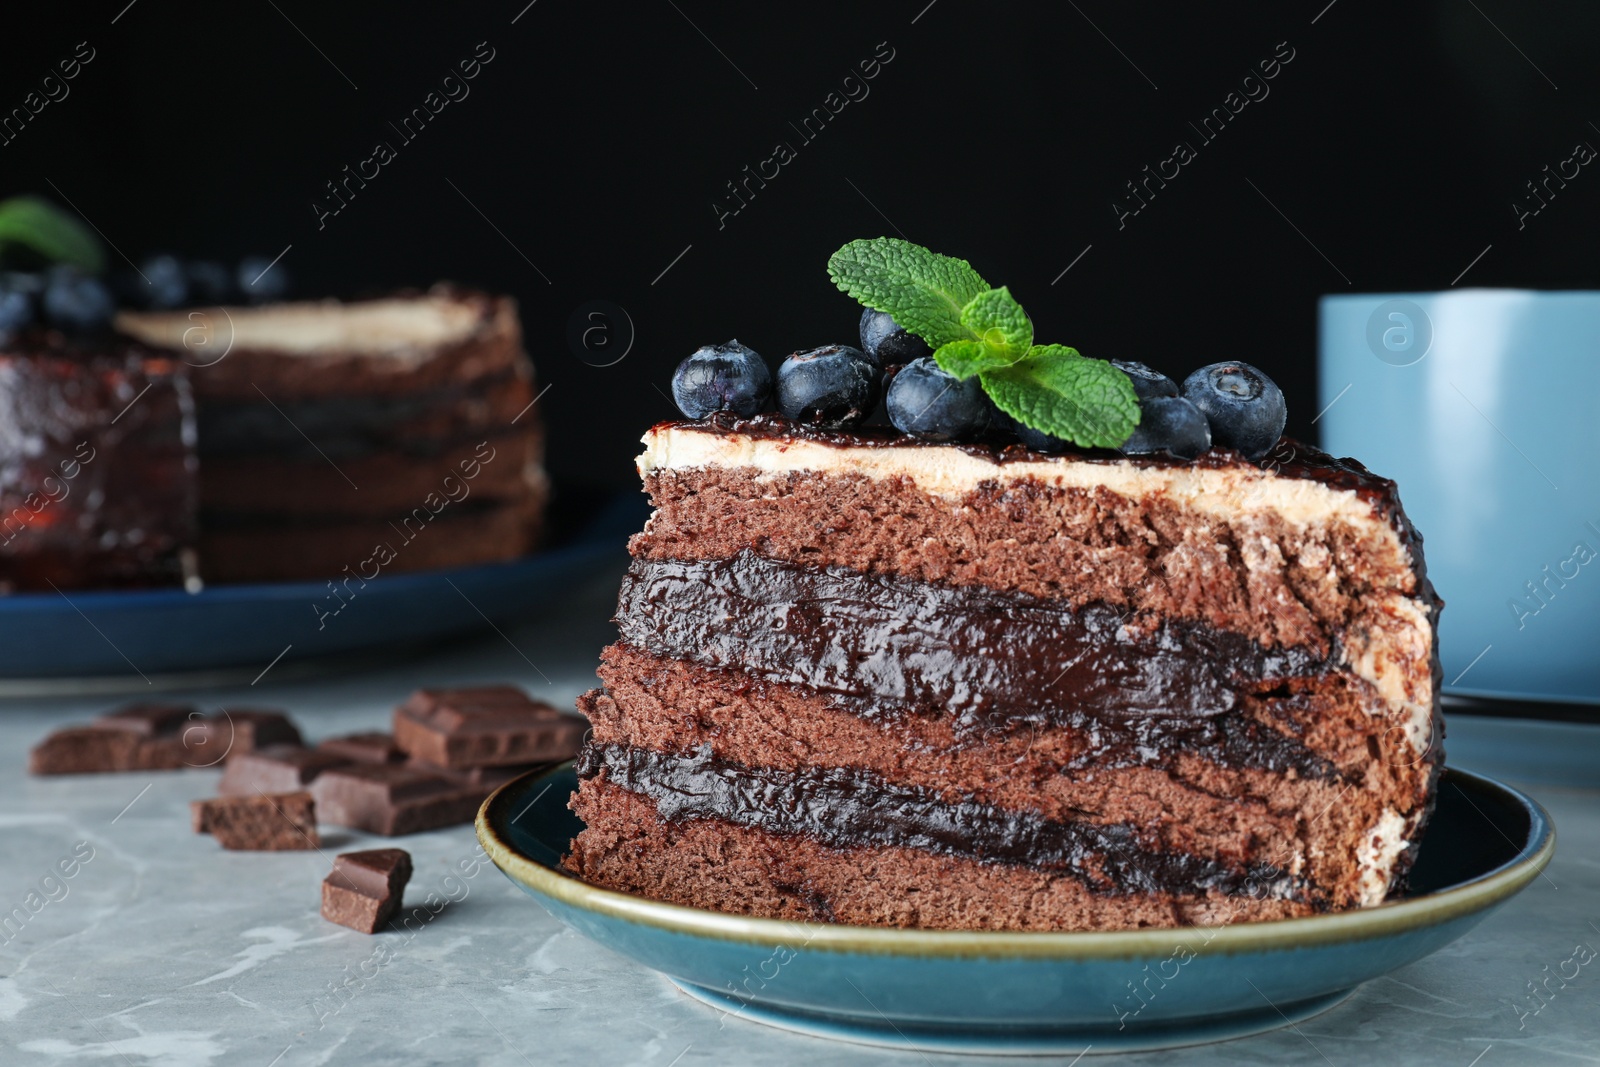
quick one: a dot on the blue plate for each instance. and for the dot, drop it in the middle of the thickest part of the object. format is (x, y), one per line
(148, 633)
(1034, 993)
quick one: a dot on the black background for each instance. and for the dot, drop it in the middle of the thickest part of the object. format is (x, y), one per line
(597, 140)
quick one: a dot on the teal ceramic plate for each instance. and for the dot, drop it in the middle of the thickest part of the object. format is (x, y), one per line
(1034, 993)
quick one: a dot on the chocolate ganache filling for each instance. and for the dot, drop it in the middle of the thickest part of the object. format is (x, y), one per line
(889, 645)
(844, 808)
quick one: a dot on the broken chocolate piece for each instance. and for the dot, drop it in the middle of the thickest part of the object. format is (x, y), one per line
(374, 747)
(247, 729)
(139, 737)
(86, 750)
(275, 769)
(364, 889)
(147, 720)
(483, 727)
(261, 822)
(392, 799)
(158, 737)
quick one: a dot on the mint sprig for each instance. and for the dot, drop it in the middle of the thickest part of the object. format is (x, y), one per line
(49, 232)
(980, 331)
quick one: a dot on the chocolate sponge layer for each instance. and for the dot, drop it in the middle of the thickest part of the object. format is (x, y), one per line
(1253, 573)
(711, 863)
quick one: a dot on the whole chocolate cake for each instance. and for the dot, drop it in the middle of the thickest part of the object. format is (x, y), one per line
(329, 427)
(962, 673)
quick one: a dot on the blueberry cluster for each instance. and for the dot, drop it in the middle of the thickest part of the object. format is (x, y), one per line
(68, 299)
(1230, 404)
(838, 386)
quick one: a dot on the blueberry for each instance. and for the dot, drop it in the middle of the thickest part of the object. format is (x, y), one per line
(927, 402)
(1244, 407)
(1169, 424)
(1146, 382)
(209, 283)
(16, 309)
(728, 377)
(261, 280)
(886, 343)
(75, 301)
(831, 386)
(164, 285)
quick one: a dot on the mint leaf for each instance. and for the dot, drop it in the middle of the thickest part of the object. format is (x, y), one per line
(966, 358)
(999, 322)
(38, 225)
(923, 291)
(1056, 391)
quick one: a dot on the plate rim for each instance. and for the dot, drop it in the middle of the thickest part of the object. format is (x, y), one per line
(1360, 924)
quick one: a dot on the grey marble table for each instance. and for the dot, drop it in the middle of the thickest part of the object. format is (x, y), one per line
(161, 949)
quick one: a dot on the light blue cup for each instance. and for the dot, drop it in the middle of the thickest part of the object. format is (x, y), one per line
(1484, 405)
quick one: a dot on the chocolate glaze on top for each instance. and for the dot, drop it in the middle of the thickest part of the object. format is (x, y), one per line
(844, 808)
(1289, 458)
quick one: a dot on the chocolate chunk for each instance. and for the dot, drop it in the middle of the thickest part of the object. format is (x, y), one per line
(374, 747)
(86, 750)
(275, 769)
(139, 737)
(158, 737)
(364, 889)
(261, 822)
(247, 729)
(147, 720)
(489, 726)
(391, 799)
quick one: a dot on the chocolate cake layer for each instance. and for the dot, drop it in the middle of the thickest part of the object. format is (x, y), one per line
(339, 427)
(1288, 459)
(711, 863)
(887, 645)
(1254, 575)
(347, 550)
(845, 809)
(501, 466)
(1264, 732)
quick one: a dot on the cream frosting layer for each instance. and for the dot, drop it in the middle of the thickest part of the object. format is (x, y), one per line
(948, 471)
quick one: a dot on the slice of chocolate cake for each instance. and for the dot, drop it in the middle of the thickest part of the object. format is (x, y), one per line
(329, 428)
(876, 676)
(868, 679)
